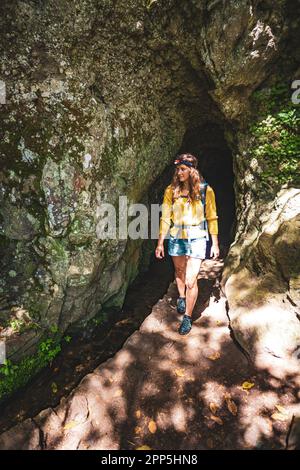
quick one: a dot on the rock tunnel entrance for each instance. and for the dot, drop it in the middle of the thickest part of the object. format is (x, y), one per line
(215, 163)
(208, 143)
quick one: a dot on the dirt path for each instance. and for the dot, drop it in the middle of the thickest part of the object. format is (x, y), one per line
(168, 392)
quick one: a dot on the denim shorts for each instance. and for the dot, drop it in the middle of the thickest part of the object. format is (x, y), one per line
(194, 247)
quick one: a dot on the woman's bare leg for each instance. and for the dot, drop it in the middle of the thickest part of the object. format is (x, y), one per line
(192, 269)
(180, 268)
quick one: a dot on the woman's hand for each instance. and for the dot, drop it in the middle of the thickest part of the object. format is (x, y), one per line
(160, 252)
(215, 251)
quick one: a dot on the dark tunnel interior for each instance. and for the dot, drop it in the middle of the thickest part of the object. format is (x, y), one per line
(208, 144)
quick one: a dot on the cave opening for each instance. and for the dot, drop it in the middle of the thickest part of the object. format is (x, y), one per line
(215, 162)
(208, 143)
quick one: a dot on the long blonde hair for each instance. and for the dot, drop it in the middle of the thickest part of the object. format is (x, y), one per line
(194, 181)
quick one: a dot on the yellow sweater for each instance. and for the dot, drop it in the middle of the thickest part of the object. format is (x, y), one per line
(183, 212)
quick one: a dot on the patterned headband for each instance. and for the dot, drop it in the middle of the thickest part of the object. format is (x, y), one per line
(183, 162)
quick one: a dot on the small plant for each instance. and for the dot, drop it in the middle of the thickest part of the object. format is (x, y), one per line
(54, 329)
(275, 136)
(8, 368)
(17, 325)
(15, 376)
(48, 350)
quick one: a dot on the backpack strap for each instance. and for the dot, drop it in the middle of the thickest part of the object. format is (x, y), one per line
(203, 188)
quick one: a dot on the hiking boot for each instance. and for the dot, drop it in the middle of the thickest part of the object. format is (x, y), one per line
(186, 325)
(181, 305)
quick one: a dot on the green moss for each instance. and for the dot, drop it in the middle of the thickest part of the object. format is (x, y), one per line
(131, 257)
(99, 318)
(109, 159)
(14, 376)
(58, 250)
(4, 242)
(81, 230)
(275, 135)
(29, 269)
(116, 301)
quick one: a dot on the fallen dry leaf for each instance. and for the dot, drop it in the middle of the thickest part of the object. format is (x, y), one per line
(214, 356)
(179, 372)
(231, 406)
(123, 322)
(143, 448)
(281, 409)
(213, 407)
(247, 385)
(152, 427)
(118, 392)
(216, 419)
(138, 413)
(137, 430)
(70, 425)
(279, 417)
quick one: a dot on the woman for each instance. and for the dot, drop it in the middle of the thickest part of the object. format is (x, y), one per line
(182, 205)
